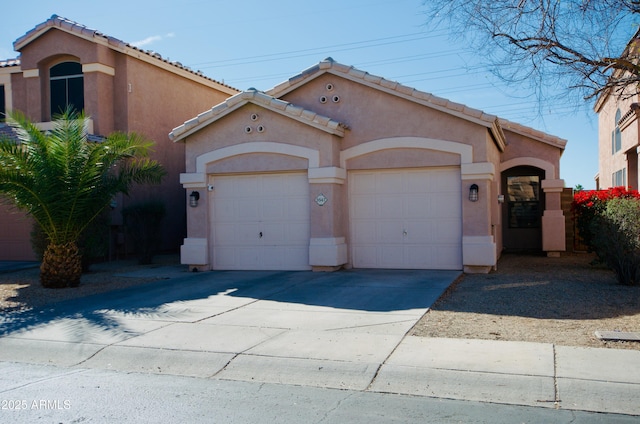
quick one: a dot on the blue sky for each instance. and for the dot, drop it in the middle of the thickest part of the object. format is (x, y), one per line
(255, 43)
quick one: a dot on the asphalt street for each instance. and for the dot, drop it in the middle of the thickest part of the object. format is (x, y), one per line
(47, 394)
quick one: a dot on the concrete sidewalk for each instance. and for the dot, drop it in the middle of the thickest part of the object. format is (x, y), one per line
(343, 330)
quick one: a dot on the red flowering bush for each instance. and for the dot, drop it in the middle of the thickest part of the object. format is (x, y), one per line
(589, 204)
(609, 223)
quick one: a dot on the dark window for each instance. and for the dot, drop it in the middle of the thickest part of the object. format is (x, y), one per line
(616, 136)
(67, 87)
(619, 178)
(3, 105)
(524, 201)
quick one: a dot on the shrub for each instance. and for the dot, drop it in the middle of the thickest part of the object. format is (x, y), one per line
(589, 204)
(143, 223)
(616, 238)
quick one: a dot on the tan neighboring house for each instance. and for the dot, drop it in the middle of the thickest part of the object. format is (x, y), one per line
(340, 168)
(121, 88)
(618, 129)
(618, 141)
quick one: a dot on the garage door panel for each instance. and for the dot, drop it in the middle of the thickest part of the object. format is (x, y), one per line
(391, 182)
(247, 234)
(226, 212)
(418, 206)
(363, 184)
(387, 207)
(392, 232)
(365, 232)
(447, 231)
(417, 218)
(391, 254)
(366, 256)
(365, 207)
(244, 209)
(443, 206)
(261, 222)
(298, 233)
(242, 187)
(296, 207)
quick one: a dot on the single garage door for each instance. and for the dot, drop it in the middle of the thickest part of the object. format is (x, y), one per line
(406, 219)
(261, 222)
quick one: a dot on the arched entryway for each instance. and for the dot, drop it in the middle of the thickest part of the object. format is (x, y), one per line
(522, 209)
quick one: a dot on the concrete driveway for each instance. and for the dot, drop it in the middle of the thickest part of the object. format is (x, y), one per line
(320, 329)
(343, 330)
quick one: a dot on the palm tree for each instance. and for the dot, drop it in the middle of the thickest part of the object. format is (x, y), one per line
(65, 181)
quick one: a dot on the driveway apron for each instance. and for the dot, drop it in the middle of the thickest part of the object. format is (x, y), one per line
(320, 329)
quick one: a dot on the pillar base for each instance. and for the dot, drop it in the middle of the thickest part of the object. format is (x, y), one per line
(327, 252)
(470, 269)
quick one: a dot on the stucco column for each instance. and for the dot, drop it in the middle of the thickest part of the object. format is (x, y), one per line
(34, 98)
(553, 222)
(478, 243)
(327, 246)
(195, 250)
(99, 79)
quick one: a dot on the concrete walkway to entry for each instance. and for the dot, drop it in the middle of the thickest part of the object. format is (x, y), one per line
(342, 330)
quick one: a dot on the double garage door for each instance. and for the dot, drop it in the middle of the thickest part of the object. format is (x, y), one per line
(399, 219)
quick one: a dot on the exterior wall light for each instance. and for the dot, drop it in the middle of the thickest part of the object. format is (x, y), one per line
(473, 192)
(193, 199)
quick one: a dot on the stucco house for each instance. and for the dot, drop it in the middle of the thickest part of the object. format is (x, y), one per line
(121, 88)
(340, 168)
(618, 140)
(618, 108)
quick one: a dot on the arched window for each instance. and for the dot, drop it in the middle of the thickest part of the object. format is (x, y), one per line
(616, 136)
(67, 87)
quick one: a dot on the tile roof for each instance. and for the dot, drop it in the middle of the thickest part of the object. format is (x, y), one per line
(8, 132)
(93, 35)
(7, 63)
(262, 99)
(533, 133)
(490, 121)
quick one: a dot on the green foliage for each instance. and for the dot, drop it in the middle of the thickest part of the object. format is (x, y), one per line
(63, 180)
(616, 238)
(587, 205)
(143, 223)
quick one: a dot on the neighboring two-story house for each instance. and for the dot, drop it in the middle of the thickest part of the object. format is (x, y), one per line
(121, 88)
(618, 140)
(618, 110)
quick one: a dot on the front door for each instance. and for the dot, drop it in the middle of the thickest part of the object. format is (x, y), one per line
(522, 209)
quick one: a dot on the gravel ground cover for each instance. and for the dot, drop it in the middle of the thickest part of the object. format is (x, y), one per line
(563, 301)
(21, 290)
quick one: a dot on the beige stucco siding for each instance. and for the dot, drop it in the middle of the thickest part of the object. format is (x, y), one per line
(609, 162)
(372, 114)
(232, 130)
